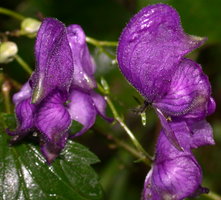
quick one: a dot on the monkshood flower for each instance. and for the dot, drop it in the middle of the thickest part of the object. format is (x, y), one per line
(60, 90)
(151, 56)
(175, 174)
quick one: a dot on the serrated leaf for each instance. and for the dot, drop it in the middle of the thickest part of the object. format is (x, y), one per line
(25, 176)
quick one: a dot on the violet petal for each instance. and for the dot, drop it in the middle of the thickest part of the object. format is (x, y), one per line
(52, 118)
(189, 135)
(24, 111)
(84, 66)
(23, 94)
(175, 179)
(100, 105)
(54, 63)
(189, 92)
(168, 131)
(211, 106)
(81, 109)
(202, 134)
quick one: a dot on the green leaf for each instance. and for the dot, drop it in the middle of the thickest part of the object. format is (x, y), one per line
(24, 175)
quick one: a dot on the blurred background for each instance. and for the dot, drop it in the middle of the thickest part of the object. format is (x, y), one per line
(121, 176)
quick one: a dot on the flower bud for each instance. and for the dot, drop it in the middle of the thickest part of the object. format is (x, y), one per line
(7, 51)
(30, 26)
(105, 85)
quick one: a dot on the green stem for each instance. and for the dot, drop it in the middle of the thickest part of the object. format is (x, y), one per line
(213, 196)
(124, 145)
(11, 13)
(100, 43)
(130, 149)
(23, 64)
(128, 131)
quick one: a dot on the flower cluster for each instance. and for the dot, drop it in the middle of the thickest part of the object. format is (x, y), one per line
(60, 90)
(151, 56)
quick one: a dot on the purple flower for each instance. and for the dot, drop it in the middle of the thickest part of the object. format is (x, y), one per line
(176, 174)
(60, 90)
(151, 56)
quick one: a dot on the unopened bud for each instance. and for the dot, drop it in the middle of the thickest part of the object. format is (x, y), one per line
(7, 51)
(105, 85)
(30, 26)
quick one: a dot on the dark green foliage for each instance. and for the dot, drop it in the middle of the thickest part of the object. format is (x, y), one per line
(25, 175)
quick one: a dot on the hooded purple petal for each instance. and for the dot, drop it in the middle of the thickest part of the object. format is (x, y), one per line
(53, 119)
(189, 92)
(84, 66)
(151, 46)
(54, 63)
(100, 105)
(81, 109)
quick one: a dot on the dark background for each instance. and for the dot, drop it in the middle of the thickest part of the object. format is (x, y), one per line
(121, 177)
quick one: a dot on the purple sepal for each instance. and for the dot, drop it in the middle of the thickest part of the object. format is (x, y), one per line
(54, 63)
(169, 133)
(24, 93)
(84, 66)
(52, 117)
(211, 106)
(188, 93)
(100, 105)
(189, 135)
(150, 48)
(24, 111)
(81, 109)
(174, 179)
(202, 133)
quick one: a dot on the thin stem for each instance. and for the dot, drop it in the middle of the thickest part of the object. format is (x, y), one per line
(100, 43)
(127, 130)
(111, 56)
(23, 64)
(213, 196)
(124, 145)
(11, 13)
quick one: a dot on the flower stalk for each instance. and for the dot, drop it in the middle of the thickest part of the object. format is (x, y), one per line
(212, 195)
(146, 157)
(23, 64)
(11, 13)
(99, 43)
